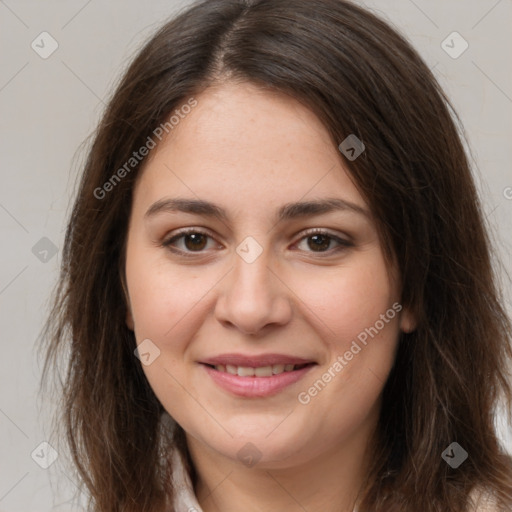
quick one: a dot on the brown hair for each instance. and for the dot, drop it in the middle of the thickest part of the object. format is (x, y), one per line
(359, 76)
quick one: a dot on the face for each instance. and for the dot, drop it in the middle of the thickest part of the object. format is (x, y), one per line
(250, 250)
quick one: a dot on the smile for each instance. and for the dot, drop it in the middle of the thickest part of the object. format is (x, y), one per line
(258, 382)
(261, 371)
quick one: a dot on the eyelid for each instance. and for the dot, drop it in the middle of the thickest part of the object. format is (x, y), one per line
(188, 230)
(324, 231)
(344, 243)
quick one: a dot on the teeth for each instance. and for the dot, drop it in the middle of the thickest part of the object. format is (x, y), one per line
(262, 371)
(229, 368)
(277, 368)
(244, 371)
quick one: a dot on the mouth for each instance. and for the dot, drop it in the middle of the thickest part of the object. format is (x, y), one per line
(256, 376)
(259, 371)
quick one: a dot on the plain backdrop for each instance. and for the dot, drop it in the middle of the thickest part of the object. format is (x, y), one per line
(49, 106)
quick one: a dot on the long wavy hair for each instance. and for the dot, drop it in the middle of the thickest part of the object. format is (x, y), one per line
(359, 76)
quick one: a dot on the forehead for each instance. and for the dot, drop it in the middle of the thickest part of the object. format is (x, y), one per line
(247, 146)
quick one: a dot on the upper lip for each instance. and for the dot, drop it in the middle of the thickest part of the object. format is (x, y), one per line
(254, 361)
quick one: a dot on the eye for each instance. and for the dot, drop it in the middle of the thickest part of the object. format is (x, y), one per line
(321, 241)
(188, 241)
(194, 240)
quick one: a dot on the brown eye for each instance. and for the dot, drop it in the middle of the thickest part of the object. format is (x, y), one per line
(319, 242)
(322, 242)
(188, 242)
(195, 241)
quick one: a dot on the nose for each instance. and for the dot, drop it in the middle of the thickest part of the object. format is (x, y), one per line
(253, 297)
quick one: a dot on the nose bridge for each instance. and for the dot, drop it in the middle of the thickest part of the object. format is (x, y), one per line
(253, 297)
(252, 275)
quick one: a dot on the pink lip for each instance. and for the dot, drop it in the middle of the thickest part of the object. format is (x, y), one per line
(254, 387)
(255, 361)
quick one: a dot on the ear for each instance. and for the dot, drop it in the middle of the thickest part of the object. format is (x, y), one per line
(129, 316)
(129, 319)
(408, 321)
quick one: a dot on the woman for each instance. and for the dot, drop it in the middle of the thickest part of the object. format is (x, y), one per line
(276, 286)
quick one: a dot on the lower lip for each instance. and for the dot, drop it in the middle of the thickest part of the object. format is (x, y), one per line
(255, 387)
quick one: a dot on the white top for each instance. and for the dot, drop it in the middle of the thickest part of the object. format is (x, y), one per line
(186, 501)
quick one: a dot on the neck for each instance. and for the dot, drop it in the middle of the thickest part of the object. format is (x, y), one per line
(326, 482)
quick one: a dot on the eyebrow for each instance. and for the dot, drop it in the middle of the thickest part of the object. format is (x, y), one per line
(286, 212)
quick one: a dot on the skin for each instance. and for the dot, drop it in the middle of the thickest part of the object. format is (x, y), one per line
(250, 152)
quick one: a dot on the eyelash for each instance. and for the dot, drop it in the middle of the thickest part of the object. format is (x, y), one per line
(343, 244)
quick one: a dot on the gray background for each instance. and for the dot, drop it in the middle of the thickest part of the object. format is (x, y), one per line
(49, 107)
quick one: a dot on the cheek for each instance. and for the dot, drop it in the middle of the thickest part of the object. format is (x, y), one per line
(161, 298)
(349, 299)
(357, 316)
(164, 304)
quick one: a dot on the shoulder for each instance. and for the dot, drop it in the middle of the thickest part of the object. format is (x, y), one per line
(482, 501)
